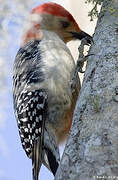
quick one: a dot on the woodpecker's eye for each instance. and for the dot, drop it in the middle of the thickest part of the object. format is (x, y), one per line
(64, 24)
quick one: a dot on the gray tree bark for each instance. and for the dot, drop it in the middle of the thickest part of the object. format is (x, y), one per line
(91, 151)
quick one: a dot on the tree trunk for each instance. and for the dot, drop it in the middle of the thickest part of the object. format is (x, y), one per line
(91, 151)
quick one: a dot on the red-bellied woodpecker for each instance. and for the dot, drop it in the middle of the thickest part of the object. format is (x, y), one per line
(44, 99)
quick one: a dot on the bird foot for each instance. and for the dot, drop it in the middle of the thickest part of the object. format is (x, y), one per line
(82, 58)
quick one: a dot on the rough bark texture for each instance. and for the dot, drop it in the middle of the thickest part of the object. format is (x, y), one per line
(92, 148)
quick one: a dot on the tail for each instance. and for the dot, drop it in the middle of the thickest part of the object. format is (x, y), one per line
(45, 150)
(52, 161)
(46, 157)
(36, 159)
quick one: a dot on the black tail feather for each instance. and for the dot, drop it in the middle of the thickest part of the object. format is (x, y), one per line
(36, 159)
(52, 161)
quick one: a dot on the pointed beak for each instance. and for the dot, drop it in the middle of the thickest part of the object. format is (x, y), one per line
(80, 35)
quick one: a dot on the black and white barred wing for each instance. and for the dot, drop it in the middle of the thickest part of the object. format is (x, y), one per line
(30, 105)
(31, 116)
(29, 101)
(31, 122)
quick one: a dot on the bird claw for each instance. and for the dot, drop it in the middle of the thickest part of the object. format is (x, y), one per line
(80, 63)
(89, 55)
(80, 66)
(82, 58)
(80, 70)
(89, 40)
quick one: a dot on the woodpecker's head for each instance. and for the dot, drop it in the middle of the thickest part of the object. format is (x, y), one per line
(53, 17)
